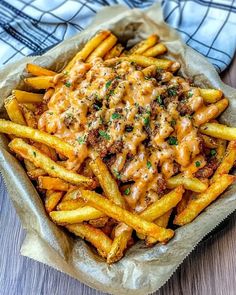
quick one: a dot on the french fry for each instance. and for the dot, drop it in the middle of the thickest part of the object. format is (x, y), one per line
(221, 105)
(107, 182)
(103, 48)
(140, 225)
(183, 202)
(70, 205)
(114, 52)
(72, 195)
(52, 199)
(31, 106)
(220, 150)
(205, 114)
(197, 163)
(192, 184)
(53, 183)
(158, 49)
(163, 220)
(93, 235)
(227, 162)
(13, 110)
(78, 215)
(219, 131)
(29, 166)
(99, 222)
(40, 82)
(209, 141)
(211, 95)
(35, 173)
(27, 97)
(89, 47)
(201, 201)
(38, 136)
(36, 70)
(41, 161)
(162, 205)
(144, 45)
(29, 117)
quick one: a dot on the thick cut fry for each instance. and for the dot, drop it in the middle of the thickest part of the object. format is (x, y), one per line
(220, 150)
(27, 97)
(221, 105)
(162, 205)
(88, 48)
(107, 182)
(93, 235)
(144, 45)
(31, 106)
(184, 201)
(53, 183)
(36, 70)
(227, 162)
(103, 48)
(210, 95)
(79, 215)
(192, 184)
(41, 161)
(140, 225)
(158, 49)
(205, 114)
(13, 110)
(38, 136)
(114, 52)
(198, 163)
(35, 173)
(52, 199)
(72, 195)
(163, 220)
(70, 205)
(40, 82)
(29, 117)
(219, 131)
(201, 201)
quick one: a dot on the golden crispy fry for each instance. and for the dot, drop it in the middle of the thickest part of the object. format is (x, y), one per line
(220, 150)
(162, 205)
(35, 173)
(205, 114)
(52, 199)
(89, 47)
(227, 162)
(70, 205)
(93, 235)
(107, 182)
(119, 245)
(13, 110)
(41, 161)
(163, 220)
(75, 216)
(114, 52)
(219, 131)
(184, 201)
(221, 105)
(40, 82)
(209, 141)
(38, 136)
(103, 48)
(30, 106)
(201, 201)
(27, 97)
(53, 183)
(210, 95)
(72, 195)
(198, 163)
(144, 45)
(36, 70)
(140, 225)
(99, 222)
(158, 49)
(192, 184)
(29, 117)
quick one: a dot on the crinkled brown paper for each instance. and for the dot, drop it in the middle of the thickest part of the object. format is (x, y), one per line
(142, 270)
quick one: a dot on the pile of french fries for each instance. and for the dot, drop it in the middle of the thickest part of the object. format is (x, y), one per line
(80, 190)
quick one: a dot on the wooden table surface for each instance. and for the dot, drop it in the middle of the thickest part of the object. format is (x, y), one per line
(209, 270)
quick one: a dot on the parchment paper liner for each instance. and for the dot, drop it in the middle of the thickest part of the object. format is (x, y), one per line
(142, 270)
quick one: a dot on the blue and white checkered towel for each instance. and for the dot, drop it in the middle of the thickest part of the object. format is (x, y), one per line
(31, 26)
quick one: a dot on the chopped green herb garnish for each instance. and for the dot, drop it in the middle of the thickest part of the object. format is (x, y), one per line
(197, 164)
(127, 191)
(146, 121)
(108, 84)
(50, 113)
(189, 116)
(172, 140)
(81, 139)
(159, 100)
(173, 122)
(190, 94)
(116, 116)
(172, 91)
(104, 134)
(136, 104)
(52, 167)
(65, 72)
(117, 173)
(34, 153)
(67, 84)
(213, 152)
(149, 165)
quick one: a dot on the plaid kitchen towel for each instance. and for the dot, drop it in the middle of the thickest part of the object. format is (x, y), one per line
(32, 26)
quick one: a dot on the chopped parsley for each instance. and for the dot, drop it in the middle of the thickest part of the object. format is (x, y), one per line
(116, 116)
(67, 84)
(108, 84)
(197, 164)
(172, 91)
(149, 165)
(127, 191)
(159, 100)
(173, 122)
(104, 134)
(81, 139)
(213, 152)
(190, 94)
(34, 153)
(50, 113)
(116, 173)
(52, 167)
(172, 140)
(146, 121)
